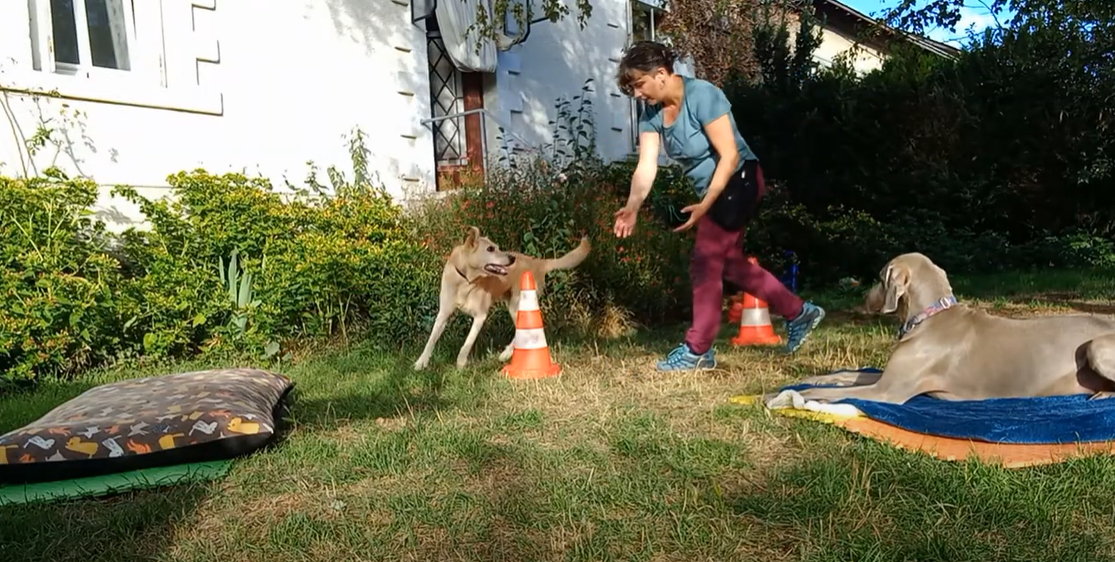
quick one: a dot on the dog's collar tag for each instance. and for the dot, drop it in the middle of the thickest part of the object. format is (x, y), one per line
(942, 304)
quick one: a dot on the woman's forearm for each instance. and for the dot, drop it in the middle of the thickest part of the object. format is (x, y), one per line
(641, 183)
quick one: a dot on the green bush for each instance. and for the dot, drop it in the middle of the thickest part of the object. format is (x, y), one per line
(839, 241)
(999, 159)
(313, 266)
(224, 265)
(59, 282)
(642, 278)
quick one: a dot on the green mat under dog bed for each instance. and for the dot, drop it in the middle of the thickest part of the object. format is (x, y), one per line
(108, 484)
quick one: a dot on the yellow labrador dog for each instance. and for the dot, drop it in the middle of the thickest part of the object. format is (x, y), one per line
(477, 275)
(953, 352)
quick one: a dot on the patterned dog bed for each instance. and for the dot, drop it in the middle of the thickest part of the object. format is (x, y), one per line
(142, 423)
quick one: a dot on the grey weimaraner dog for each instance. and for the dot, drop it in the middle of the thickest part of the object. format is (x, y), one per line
(953, 352)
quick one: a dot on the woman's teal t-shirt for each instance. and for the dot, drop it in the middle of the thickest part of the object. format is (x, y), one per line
(685, 140)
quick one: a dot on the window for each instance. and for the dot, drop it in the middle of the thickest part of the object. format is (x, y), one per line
(458, 139)
(644, 18)
(119, 51)
(91, 34)
(643, 26)
(97, 38)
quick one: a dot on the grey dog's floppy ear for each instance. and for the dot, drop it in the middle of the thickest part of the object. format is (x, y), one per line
(896, 281)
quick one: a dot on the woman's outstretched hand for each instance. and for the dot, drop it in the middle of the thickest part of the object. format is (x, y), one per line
(625, 222)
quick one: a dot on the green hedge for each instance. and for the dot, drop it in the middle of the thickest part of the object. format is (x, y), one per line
(60, 300)
(1001, 159)
(224, 265)
(227, 265)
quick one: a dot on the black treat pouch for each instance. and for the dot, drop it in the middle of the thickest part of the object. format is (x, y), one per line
(739, 200)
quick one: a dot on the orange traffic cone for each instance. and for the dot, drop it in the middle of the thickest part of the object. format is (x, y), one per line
(735, 308)
(531, 356)
(754, 326)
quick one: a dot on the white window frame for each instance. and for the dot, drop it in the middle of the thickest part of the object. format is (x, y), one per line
(145, 84)
(43, 32)
(654, 7)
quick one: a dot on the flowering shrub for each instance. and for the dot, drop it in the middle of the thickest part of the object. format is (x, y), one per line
(642, 278)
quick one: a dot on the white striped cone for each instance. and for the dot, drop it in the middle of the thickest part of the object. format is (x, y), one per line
(529, 331)
(755, 317)
(754, 324)
(531, 356)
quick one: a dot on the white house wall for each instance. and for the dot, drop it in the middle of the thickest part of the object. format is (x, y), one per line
(262, 87)
(554, 62)
(259, 86)
(836, 43)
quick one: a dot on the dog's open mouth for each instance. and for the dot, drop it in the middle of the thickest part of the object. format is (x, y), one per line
(495, 269)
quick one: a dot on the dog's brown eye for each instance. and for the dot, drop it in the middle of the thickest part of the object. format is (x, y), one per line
(491, 248)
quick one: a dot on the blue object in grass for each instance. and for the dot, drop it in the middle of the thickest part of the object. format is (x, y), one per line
(790, 277)
(1044, 420)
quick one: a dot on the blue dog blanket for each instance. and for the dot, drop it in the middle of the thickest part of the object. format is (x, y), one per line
(1045, 420)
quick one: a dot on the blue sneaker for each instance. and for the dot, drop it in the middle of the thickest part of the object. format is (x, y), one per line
(798, 330)
(683, 359)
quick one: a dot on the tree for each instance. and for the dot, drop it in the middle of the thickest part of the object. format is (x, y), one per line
(717, 34)
(489, 27)
(1082, 14)
(720, 35)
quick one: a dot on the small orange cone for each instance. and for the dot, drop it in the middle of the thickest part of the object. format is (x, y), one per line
(531, 356)
(735, 308)
(754, 326)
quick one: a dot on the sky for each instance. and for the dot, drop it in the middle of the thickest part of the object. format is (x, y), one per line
(974, 14)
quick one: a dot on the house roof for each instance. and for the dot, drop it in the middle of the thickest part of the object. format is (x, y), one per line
(933, 46)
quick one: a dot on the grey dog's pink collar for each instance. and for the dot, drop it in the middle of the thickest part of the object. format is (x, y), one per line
(942, 304)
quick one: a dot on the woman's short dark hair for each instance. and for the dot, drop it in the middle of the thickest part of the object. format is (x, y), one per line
(644, 57)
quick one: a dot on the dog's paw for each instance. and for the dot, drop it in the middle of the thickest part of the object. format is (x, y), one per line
(421, 364)
(1102, 395)
(507, 352)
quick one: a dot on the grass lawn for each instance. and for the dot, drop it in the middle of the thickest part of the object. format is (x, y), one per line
(610, 462)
